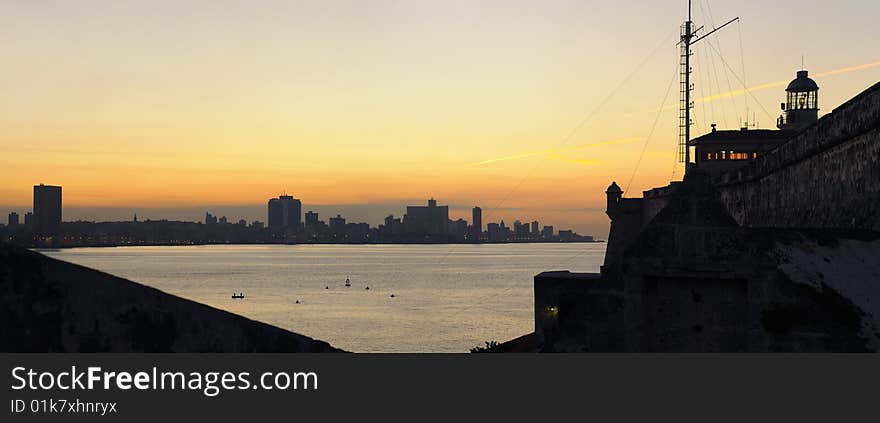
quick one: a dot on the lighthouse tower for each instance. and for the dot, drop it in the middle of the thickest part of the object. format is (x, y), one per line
(801, 106)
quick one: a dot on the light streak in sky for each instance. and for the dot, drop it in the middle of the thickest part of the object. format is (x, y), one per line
(554, 154)
(776, 84)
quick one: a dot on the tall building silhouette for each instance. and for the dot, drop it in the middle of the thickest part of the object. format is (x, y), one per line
(493, 231)
(337, 225)
(312, 225)
(13, 219)
(285, 212)
(476, 224)
(432, 220)
(311, 218)
(47, 209)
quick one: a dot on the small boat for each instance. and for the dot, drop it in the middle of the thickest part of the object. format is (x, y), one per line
(237, 296)
(392, 295)
(297, 301)
(367, 288)
(326, 287)
(347, 282)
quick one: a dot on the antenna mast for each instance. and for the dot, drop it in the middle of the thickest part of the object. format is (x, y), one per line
(688, 38)
(684, 104)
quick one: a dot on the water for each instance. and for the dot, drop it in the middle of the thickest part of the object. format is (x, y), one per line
(447, 298)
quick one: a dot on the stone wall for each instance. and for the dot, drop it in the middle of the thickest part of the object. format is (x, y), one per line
(626, 222)
(630, 215)
(693, 280)
(47, 305)
(827, 176)
(578, 312)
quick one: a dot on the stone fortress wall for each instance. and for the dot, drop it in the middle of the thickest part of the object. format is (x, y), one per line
(827, 176)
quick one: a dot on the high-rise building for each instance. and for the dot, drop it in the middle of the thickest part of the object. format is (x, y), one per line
(311, 218)
(47, 209)
(29, 220)
(458, 229)
(285, 212)
(312, 225)
(521, 230)
(476, 224)
(337, 225)
(274, 214)
(503, 232)
(494, 232)
(430, 221)
(393, 226)
(13, 219)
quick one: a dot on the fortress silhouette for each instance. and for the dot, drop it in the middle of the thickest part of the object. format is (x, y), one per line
(770, 243)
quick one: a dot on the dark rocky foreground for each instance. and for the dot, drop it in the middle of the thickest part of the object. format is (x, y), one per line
(53, 306)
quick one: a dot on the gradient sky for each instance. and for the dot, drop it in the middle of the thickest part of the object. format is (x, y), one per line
(169, 109)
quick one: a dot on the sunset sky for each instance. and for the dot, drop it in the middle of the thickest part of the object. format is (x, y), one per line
(169, 109)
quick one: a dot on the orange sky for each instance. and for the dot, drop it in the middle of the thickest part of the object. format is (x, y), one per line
(162, 106)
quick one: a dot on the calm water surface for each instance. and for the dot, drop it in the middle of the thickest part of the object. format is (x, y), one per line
(447, 298)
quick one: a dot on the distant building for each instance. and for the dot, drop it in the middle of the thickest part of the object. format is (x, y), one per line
(223, 220)
(493, 232)
(285, 212)
(29, 220)
(476, 224)
(503, 232)
(12, 220)
(311, 218)
(566, 236)
(210, 219)
(459, 229)
(521, 231)
(393, 227)
(535, 230)
(547, 233)
(357, 232)
(47, 209)
(427, 221)
(337, 224)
